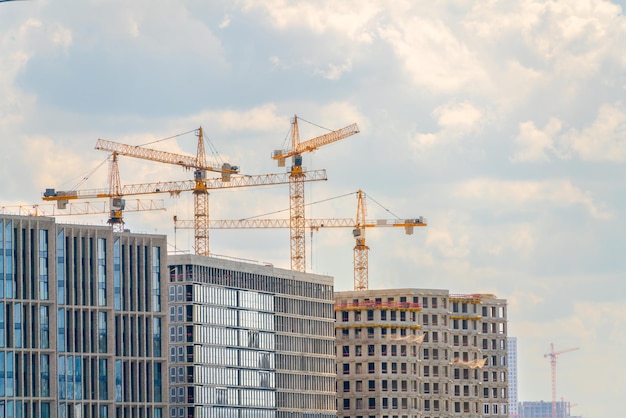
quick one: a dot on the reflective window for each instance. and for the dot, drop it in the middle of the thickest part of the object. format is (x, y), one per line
(117, 279)
(156, 337)
(44, 382)
(103, 392)
(44, 327)
(156, 279)
(102, 332)
(102, 273)
(43, 265)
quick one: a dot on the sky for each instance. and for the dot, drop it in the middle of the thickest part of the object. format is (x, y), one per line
(502, 123)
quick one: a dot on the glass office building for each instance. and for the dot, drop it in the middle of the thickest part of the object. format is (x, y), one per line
(82, 311)
(249, 341)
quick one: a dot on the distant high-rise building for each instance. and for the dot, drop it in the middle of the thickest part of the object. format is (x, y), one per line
(249, 341)
(541, 409)
(420, 353)
(512, 366)
(81, 316)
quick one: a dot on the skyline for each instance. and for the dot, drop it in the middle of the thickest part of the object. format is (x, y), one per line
(504, 125)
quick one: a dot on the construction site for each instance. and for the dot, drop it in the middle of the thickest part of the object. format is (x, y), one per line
(237, 339)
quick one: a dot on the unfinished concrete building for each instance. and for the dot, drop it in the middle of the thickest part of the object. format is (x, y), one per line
(420, 353)
(249, 341)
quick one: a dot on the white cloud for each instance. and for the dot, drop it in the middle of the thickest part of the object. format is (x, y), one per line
(434, 56)
(534, 144)
(530, 195)
(334, 71)
(604, 139)
(225, 22)
(456, 120)
(350, 18)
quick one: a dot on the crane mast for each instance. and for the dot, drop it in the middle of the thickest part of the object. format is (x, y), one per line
(361, 250)
(201, 201)
(116, 203)
(296, 184)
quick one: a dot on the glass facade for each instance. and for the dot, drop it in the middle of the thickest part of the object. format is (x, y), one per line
(247, 344)
(60, 354)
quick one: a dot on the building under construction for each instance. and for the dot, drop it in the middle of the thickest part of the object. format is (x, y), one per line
(416, 353)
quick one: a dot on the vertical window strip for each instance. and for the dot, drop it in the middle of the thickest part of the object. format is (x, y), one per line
(61, 267)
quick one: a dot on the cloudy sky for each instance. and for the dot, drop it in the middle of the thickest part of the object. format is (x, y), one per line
(503, 124)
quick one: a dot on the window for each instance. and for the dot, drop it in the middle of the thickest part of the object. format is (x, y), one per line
(371, 368)
(346, 386)
(371, 385)
(345, 350)
(370, 315)
(371, 350)
(346, 368)
(346, 404)
(359, 385)
(358, 351)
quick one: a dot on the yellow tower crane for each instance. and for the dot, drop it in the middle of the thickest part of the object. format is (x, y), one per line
(116, 202)
(358, 225)
(200, 167)
(296, 183)
(201, 185)
(63, 198)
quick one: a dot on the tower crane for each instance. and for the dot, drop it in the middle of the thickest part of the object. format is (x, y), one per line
(63, 198)
(296, 183)
(116, 202)
(358, 225)
(553, 355)
(200, 184)
(200, 167)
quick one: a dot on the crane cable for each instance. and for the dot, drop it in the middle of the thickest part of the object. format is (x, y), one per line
(308, 204)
